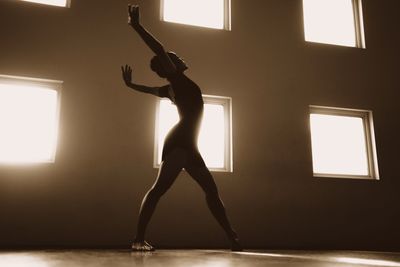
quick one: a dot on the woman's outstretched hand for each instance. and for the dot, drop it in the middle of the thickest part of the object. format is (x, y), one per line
(133, 15)
(127, 74)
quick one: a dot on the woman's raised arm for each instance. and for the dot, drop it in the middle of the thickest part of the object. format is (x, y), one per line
(150, 40)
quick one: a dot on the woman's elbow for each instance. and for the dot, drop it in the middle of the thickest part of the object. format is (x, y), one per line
(159, 50)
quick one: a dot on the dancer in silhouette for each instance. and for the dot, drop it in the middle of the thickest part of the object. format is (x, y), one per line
(180, 147)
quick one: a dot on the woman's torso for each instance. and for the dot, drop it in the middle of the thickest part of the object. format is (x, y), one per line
(187, 97)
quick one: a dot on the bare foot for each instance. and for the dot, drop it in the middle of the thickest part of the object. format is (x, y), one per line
(235, 245)
(142, 246)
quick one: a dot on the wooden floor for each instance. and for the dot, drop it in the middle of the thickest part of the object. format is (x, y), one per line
(195, 258)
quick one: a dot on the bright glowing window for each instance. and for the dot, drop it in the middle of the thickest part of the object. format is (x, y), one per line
(343, 143)
(214, 142)
(28, 120)
(61, 3)
(204, 13)
(337, 22)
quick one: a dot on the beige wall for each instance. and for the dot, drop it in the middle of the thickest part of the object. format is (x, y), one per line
(91, 195)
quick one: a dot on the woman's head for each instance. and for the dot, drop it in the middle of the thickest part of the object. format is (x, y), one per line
(156, 65)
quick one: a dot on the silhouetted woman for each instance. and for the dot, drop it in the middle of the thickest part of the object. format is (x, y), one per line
(180, 146)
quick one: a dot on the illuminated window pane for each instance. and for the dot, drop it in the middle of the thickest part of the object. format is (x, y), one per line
(28, 121)
(205, 13)
(62, 3)
(337, 22)
(342, 143)
(214, 137)
(167, 118)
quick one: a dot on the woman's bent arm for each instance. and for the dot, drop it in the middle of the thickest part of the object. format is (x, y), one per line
(144, 88)
(127, 77)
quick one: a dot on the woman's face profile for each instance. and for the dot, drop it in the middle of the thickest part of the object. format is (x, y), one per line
(156, 66)
(161, 74)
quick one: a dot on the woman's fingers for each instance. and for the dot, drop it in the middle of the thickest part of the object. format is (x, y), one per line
(133, 14)
(133, 9)
(123, 74)
(126, 73)
(124, 69)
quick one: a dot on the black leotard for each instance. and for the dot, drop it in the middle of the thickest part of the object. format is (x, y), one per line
(186, 95)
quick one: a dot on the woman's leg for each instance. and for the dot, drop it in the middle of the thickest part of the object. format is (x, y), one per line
(167, 174)
(203, 177)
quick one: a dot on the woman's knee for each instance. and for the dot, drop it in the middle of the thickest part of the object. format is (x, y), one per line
(209, 186)
(212, 194)
(157, 192)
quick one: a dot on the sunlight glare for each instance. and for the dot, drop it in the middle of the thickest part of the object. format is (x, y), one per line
(167, 118)
(28, 124)
(329, 21)
(22, 260)
(205, 13)
(317, 257)
(212, 136)
(338, 145)
(371, 262)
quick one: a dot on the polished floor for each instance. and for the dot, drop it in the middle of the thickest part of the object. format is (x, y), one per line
(195, 258)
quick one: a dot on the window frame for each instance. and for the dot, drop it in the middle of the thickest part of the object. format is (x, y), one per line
(227, 17)
(55, 85)
(226, 102)
(358, 26)
(369, 137)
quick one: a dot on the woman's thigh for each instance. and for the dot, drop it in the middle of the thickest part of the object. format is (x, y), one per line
(200, 173)
(170, 169)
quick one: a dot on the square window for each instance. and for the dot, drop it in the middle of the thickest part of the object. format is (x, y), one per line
(28, 120)
(343, 143)
(204, 13)
(60, 3)
(337, 22)
(215, 133)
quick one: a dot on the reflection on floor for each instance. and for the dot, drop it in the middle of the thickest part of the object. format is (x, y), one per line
(196, 258)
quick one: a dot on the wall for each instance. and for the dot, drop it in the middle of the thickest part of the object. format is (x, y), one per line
(90, 196)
